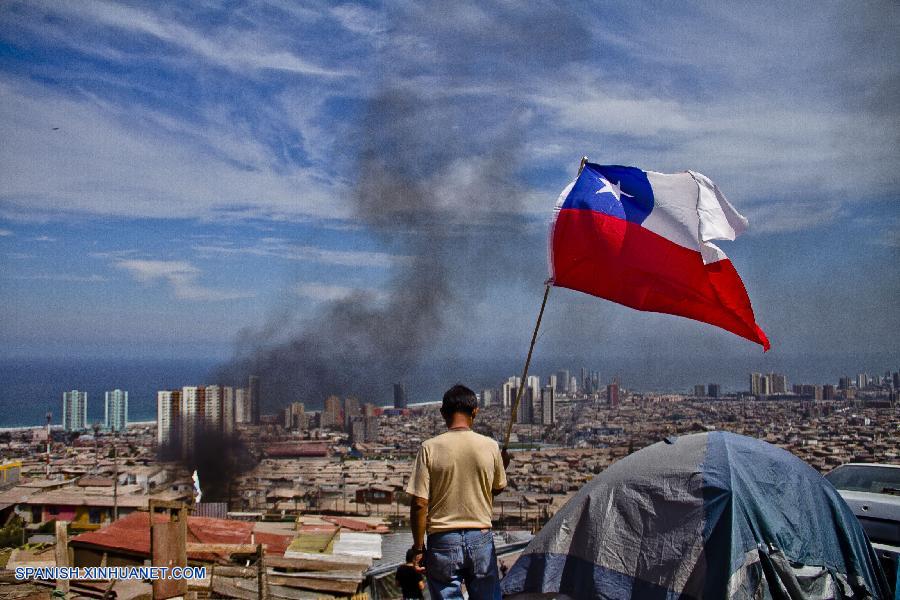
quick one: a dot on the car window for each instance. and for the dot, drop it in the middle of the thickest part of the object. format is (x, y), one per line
(866, 478)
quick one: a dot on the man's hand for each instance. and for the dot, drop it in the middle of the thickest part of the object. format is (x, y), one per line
(415, 555)
(504, 454)
(418, 515)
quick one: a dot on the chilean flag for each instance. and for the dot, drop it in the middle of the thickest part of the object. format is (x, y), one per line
(644, 239)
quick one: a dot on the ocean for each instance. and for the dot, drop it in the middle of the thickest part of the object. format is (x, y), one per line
(31, 387)
(34, 386)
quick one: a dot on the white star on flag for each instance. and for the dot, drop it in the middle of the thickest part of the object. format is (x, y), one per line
(613, 188)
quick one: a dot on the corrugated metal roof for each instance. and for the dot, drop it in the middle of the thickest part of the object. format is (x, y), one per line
(313, 541)
(131, 534)
(215, 510)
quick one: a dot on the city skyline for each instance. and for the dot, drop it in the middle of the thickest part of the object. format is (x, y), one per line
(184, 183)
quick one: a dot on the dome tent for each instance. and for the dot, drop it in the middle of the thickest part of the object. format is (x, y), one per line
(710, 515)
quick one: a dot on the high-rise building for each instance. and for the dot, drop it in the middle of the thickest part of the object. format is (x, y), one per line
(714, 390)
(351, 410)
(509, 391)
(116, 410)
(255, 399)
(807, 390)
(363, 429)
(562, 381)
(700, 390)
(400, 400)
(228, 410)
(212, 407)
(612, 394)
(862, 380)
(764, 385)
(295, 416)
(756, 383)
(331, 413)
(548, 405)
(74, 415)
(573, 385)
(595, 381)
(242, 405)
(896, 379)
(778, 383)
(844, 383)
(488, 397)
(192, 407)
(554, 381)
(828, 392)
(526, 406)
(168, 418)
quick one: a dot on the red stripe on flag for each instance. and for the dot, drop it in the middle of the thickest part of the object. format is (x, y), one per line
(621, 261)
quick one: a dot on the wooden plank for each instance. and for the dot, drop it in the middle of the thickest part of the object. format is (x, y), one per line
(221, 548)
(167, 547)
(345, 575)
(319, 562)
(245, 589)
(224, 587)
(77, 589)
(319, 585)
(287, 593)
(229, 571)
(62, 552)
(261, 572)
(165, 504)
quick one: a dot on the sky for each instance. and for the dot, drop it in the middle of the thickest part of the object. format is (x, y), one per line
(197, 179)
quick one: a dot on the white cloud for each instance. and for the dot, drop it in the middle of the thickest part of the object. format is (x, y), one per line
(135, 163)
(64, 277)
(181, 276)
(359, 19)
(43, 238)
(635, 115)
(235, 50)
(5, 233)
(322, 292)
(278, 248)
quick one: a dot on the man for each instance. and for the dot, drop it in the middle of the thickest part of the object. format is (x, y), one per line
(454, 479)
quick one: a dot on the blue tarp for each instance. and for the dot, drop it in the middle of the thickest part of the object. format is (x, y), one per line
(709, 515)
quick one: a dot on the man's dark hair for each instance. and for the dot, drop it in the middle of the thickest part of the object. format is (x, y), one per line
(411, 554)
(459, 398)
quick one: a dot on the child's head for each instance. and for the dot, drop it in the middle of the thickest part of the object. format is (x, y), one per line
(411, 555)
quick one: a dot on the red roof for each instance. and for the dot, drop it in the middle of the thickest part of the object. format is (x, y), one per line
(303, 449)
(357, 525)
(131, 534)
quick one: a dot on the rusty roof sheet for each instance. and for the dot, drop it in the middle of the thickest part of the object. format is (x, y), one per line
(131, 534)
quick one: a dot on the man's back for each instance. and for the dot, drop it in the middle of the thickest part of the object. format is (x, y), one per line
(458, 472)
(453, 483)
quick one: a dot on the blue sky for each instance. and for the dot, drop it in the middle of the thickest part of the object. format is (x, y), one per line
(176, 179)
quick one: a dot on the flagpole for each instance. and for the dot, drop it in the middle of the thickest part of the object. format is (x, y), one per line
(537, 325)
(515, 407)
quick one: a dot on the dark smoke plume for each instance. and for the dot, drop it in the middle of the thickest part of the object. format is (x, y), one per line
(432, 203)
(438, 182)
(218, 459)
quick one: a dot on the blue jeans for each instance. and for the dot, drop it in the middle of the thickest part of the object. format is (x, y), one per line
(464, 555)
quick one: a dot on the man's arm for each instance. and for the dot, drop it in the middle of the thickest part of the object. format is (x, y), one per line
(418, 514)
(505, 458)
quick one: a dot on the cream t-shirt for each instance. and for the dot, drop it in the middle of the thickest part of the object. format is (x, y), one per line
(457, 472)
